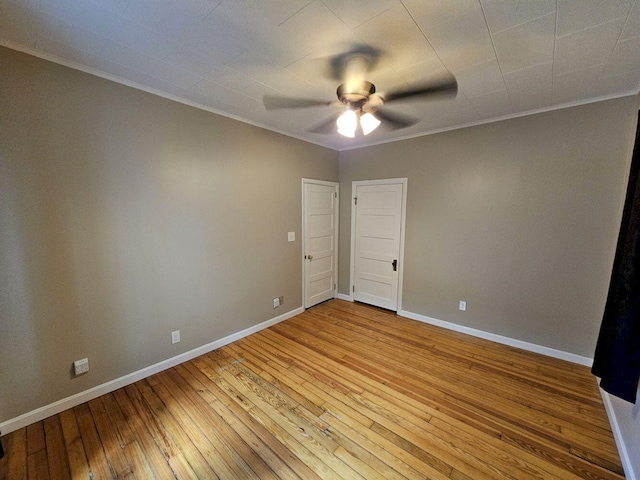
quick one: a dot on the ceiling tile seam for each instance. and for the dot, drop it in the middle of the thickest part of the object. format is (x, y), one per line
(255, 80)
(285, 67)
(210, 12)
(424, 35)
(38, 44)
(629, 39)
(527, 67)
(295, 13)
(152, 29)
(584, 69)
(460, 92)
(233, 70)
(104, 48)
(123, 11)
(314, 87)
(610, 54)
(519, 24)
(73, 25)
(293, 62)
(618, 40)
(226, 64)
(617, 19)
(352, 29)
(335, 14)
(259, 83)
(462, 70)
(495, 53)
(277, 89)
(175, 40)
(42, 34)
(451, 19)
(177, 68)
(404, 77)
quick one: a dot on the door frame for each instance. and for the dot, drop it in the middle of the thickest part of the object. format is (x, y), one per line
(336, 220)
(386, 181)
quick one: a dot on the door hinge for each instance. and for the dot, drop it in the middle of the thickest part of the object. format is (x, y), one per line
(353, 289)
(334, 286)
(355, 199)
(335, 194)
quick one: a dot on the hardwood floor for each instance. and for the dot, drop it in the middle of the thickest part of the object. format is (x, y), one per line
(340, 391)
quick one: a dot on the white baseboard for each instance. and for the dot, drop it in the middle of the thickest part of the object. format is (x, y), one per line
(82, 397)
(532, 347)
(627, 465)
(347, 298)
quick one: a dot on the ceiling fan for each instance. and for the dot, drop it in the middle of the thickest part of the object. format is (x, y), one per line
(364, 106)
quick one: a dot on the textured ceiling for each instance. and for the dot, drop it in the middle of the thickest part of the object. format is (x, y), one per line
(509, 56)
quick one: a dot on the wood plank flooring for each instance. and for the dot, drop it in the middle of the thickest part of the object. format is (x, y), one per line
(341, 391)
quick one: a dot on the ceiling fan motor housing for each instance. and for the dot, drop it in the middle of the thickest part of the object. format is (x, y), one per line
(355, 93)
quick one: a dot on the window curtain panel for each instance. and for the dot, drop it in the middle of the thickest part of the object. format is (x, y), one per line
(617, 356)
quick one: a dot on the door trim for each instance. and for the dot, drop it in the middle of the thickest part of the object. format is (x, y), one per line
(386, 181)
(306, 181)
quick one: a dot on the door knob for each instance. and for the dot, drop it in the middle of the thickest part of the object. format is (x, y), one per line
(310, 257)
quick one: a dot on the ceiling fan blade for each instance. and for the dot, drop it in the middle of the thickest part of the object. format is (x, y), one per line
(447, 88)
(273, 102)
(326, 127)
(393, 120)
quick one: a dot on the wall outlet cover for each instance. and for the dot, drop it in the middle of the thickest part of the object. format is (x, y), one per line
(175, 337)
(291, 236)
(276, 302)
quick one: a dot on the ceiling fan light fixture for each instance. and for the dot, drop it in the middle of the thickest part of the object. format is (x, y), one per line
(368, 123)
(347, 124)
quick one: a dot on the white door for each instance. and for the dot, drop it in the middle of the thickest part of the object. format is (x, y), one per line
(377, 235)
(320, 238)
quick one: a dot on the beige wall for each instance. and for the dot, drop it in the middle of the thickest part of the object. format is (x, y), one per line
(519, 218)
(124, 216)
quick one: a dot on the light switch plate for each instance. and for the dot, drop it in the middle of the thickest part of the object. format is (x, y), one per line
(81, 366)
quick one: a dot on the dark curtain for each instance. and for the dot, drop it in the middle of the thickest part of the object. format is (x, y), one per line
(617, 357)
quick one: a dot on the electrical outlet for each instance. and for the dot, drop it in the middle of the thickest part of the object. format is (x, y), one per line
(462, 306)
(276, 302)
(175, 337)
(291, 236)
(80, 367)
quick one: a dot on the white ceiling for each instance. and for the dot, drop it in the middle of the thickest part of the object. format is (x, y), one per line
(509, 56)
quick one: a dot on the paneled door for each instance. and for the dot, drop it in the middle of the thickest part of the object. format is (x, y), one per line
(320, 238)
(377, 236)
